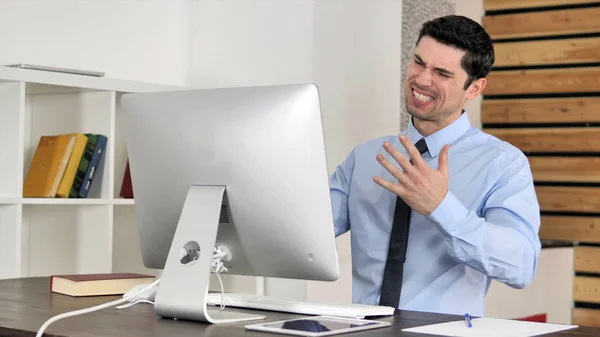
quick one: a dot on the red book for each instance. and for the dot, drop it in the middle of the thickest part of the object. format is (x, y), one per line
(126, 187)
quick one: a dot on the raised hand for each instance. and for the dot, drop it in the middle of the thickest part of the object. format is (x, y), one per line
(420, 186)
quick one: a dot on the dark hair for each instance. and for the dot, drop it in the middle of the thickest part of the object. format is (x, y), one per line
(465, 34)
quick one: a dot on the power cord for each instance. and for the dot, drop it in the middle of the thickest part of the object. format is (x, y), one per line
(220, 254)
(92, 309)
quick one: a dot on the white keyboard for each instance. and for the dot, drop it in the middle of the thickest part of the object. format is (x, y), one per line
(249, 301)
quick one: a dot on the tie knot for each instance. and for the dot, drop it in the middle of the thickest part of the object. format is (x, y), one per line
(421, 145)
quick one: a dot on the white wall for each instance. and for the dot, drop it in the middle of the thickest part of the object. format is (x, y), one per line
(357, 67)
(247, 43)
(551, 291)
(142, 41)
(472, 9)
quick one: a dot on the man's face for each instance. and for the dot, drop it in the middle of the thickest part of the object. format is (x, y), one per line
(435, 79)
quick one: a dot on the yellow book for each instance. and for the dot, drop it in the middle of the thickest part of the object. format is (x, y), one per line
(69, 176)
(48, 166)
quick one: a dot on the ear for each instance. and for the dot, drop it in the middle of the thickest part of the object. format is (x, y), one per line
(476, 88)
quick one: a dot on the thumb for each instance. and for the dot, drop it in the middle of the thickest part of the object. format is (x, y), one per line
(443, 161)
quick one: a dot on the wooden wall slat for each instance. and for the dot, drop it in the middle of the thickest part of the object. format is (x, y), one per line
(544, 23)
(565, 169)
(586, 317)
(492, 5)
(587, 259)
(542, 110)
(564, 51)
(562, 138)
(560, 52)
(570, 228)
(568, 199)
(540, 81)
(550, 139)
(586, 289)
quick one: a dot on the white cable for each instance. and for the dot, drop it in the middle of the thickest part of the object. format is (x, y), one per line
(92, 309)
(134, 303)
(222, 299)
(217, 267)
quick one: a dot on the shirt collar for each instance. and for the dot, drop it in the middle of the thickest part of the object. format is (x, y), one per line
(447, 135)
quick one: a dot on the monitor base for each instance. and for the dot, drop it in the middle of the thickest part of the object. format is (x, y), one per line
(185, 279)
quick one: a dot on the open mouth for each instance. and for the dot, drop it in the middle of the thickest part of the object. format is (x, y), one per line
(422, 97)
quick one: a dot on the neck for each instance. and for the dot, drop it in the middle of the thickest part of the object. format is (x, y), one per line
(429, 127)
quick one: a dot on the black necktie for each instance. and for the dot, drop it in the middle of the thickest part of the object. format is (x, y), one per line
(394, 267)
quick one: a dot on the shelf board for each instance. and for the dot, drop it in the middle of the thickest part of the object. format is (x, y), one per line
(9, 201)
(64, 201)
(123, 202)
(45, 82)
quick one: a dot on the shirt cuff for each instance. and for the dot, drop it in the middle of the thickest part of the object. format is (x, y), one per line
(449, 214)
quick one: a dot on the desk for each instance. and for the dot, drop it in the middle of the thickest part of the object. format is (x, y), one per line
(25, 304)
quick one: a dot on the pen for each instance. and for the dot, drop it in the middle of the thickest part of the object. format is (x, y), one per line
(468, 320)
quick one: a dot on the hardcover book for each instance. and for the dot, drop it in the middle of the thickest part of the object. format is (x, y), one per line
(94, 164)
(48, 166)
(97, 284)
(71, 170)
(127, 187)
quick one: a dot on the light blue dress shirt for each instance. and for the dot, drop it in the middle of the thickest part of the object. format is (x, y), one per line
(486, 226)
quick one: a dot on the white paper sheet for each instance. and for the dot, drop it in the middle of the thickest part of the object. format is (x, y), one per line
(490, 327)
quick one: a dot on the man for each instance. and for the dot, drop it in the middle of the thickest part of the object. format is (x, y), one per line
(474, 215)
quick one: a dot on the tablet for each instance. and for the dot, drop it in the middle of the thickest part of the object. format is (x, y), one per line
(318, 326)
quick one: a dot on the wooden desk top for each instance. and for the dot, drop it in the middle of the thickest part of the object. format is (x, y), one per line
(25, 304)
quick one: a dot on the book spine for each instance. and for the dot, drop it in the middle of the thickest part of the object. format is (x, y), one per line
(63, 165)
(126, 186)
(86, 158)
(64, 188)
(93, 166)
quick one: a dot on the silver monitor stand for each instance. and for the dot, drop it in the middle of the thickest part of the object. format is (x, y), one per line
(185, 279)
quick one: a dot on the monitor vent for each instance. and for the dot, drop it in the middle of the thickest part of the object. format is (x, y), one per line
(224, 218)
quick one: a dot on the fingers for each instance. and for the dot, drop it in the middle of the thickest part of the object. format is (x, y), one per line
(399, 157)
(388, 185)
(414, 153)
(393, 170)
(443, 161)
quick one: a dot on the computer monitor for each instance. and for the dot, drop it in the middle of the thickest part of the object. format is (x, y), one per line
(243, 168)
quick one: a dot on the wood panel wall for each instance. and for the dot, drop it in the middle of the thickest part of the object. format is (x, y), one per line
(543, 96)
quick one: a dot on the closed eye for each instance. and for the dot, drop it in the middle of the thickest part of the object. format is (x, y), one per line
(440, 71)
(419, 61)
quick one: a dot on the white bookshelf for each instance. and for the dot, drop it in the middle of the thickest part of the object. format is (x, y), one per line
(45, 236)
